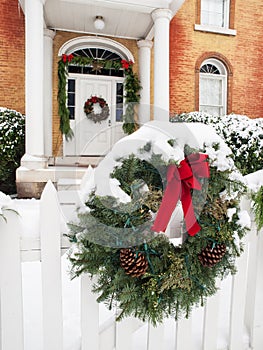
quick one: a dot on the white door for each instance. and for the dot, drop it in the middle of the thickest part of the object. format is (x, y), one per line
(94, 139)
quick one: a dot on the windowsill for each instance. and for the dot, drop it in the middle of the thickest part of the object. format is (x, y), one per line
(217, 30)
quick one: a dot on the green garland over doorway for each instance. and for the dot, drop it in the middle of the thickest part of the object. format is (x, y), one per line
(132, 88)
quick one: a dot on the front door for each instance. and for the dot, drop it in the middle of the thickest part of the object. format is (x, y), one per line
(90, 138)
(93, 138)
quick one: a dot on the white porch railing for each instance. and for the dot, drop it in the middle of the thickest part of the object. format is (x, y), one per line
(244, 312)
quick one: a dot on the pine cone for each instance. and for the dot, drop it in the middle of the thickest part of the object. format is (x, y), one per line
(211, 256)
(135, 265)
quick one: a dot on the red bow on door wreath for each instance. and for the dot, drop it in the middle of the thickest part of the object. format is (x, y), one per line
(180, 181)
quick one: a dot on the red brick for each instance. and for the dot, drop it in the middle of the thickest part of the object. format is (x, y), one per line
(12, 56)
(244, 52)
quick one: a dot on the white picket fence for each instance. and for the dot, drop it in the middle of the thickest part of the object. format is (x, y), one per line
(244, 313)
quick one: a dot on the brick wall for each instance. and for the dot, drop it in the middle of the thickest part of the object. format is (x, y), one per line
(242, 52)
(60, 38)
(12, 56)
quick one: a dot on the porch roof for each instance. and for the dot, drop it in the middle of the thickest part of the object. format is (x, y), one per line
(123, 18)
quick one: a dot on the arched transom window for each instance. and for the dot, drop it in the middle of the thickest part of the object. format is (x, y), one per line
(213, 87)
(97, 54)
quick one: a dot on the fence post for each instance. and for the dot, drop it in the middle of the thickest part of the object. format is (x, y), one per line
(254, 302)
(50, 236)
(210, 325)
(124, 332)
(89, 316)
(155, 337)
(257, 332)
(238, 301)
(184, 339)
(11, 303)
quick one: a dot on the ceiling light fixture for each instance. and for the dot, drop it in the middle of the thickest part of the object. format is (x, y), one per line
(99, 23)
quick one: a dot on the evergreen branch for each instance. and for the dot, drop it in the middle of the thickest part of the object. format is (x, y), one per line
(258, 208)
(131, 84)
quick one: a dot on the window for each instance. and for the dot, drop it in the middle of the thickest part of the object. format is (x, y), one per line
(71, 98)
(97, 54)
(215, 13)
(216, 16)
(213, 87)
(119, 102)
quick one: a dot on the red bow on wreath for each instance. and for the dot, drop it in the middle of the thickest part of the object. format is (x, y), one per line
(67, 58)
(94, 99)
(126, 64)
(180, 181)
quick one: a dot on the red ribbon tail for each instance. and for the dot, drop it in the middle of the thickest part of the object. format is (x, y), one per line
(194, 229)
(168, 204)
(191, 224)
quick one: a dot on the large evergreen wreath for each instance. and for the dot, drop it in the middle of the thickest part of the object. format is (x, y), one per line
(140, 271)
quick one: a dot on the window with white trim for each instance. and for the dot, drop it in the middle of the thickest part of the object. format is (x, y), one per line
(213, 87)
(215, 13)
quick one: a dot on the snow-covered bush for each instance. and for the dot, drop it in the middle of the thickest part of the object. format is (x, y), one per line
(12, 147)
(243, 135)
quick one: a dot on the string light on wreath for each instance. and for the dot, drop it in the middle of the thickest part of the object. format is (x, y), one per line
(91, 104)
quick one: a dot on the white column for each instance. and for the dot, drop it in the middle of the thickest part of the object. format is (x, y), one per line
(145, 79)
(161, 18)
(34, 20)
(48, 88)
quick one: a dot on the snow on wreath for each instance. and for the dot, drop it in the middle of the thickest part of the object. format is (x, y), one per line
(96, 109)
(162, 222)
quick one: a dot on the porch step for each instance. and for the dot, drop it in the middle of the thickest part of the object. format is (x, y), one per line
(77, 183)
(75, 161)
(68, 184)
(69, 197)
(53, 173)
(71, 192)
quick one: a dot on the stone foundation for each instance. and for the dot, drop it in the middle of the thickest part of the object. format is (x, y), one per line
(30, 189)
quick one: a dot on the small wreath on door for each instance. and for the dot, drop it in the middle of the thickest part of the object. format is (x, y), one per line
(96, 109)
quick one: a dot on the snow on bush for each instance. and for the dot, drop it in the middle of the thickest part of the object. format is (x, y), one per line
(243, 135)
(12, 146)
(6, 204)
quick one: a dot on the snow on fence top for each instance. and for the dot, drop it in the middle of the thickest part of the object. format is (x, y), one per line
(30, 219)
